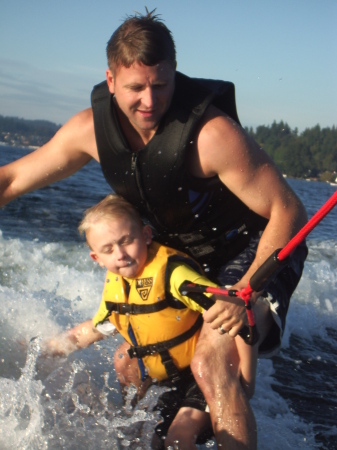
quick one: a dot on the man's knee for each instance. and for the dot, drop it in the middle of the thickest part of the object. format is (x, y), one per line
(216, 368)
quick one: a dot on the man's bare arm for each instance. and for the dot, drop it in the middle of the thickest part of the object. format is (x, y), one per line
(72, 147)
(225, 150)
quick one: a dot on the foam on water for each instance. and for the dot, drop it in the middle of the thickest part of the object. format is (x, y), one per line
(74, 402)
(313, 308)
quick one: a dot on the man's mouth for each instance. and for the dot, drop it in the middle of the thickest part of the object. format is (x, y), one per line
(146, 113)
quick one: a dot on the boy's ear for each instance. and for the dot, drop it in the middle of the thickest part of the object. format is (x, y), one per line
(147, 232)
(94, 257)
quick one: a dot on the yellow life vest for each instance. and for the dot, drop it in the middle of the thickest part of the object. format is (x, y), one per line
(161, 330)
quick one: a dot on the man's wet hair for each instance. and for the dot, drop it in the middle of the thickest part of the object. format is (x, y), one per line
(141, 39)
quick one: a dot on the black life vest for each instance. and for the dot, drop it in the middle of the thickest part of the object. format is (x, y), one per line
(198, 216)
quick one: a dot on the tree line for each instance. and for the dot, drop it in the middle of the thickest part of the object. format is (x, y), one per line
(310, 154)
(21, 132)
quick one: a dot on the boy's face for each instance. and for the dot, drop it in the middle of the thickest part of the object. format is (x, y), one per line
(120, 245)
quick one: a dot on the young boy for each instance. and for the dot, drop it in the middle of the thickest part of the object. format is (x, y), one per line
(141, 300)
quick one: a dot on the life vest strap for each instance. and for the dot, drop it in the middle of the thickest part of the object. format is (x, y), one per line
(131, 308)
(171, 370)
(162, 347)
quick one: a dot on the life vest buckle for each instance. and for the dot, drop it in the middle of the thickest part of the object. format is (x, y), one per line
(132, 351)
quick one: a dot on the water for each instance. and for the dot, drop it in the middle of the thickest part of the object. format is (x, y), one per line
(49, 283)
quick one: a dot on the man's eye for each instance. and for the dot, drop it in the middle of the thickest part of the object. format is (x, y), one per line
(136, 88)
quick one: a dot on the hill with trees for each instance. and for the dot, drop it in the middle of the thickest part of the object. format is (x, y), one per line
(310, 154)
(21, 132)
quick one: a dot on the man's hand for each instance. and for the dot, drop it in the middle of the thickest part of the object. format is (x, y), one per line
(228, 313)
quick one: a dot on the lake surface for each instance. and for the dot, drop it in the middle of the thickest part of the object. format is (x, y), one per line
(49, 283)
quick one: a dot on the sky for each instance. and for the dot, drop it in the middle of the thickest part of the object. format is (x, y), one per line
(281, 55)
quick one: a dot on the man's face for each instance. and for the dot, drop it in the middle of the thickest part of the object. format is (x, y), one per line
(143, 93)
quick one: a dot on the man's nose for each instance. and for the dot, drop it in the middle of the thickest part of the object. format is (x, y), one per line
(149, 99)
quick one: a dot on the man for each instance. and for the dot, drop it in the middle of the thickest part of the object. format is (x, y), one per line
(173, 147)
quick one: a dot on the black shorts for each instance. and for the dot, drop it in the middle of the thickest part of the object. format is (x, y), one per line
(277, 293)
(183, 393)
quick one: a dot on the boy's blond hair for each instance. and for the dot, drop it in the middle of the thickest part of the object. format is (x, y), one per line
(112, 207)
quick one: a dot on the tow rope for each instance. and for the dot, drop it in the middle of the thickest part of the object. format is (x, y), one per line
(261, 277)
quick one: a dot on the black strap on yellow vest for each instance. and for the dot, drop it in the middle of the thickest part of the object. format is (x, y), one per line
(131, 308)
(162, 347)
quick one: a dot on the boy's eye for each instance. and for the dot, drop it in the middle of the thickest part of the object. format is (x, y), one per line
(127, 240)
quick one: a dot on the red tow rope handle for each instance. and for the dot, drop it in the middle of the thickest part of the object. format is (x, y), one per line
(249, 333)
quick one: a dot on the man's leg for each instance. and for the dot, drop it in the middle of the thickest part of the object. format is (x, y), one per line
(225, 370)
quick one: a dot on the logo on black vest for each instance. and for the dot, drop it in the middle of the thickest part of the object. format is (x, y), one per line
(144, 286)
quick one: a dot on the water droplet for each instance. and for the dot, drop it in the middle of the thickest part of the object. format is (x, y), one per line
(178, 318)
(180, 188)
(196, 216)
(214, 228)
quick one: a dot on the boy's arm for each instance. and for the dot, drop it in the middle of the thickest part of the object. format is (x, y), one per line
(180, 272)
(76, 338)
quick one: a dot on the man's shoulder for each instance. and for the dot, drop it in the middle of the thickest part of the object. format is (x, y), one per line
(83, 118)
(217, 121)
(215, 144)
(80, 132)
